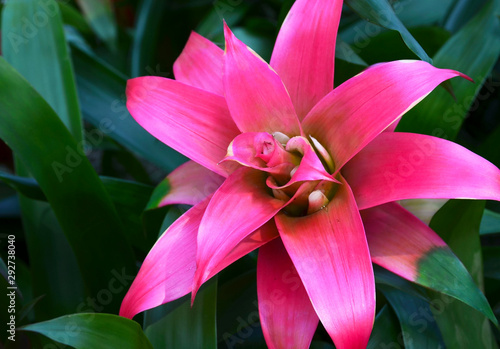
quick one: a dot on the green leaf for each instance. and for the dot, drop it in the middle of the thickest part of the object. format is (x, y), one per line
(129, 194)
(490, 224)
(488, 149)
(130, 199)
(460, 327)
(101, 19)
(387, 46)
(72, 17)
(453, 280)
(61, 284)
(461, 13)
(423, 12)
(121, 191)
(491, 256)
(121, 162)
(186, 326)
(77, 196)
(473, 51)
(35, 340)
(38, 50)
(259, 43)
(27, 308)
(439, 269)
(412, 13)
(438, 302)
(149, 16)
(102, 93)
(381, 13)
(26, 186)
(345, 52)
(385, 277)
(237, 310)
(84, 331)
(417, 323)
(385, 330)
(231, 11)
(457, 222)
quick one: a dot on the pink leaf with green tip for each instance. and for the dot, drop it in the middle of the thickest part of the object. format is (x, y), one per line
(189, 184)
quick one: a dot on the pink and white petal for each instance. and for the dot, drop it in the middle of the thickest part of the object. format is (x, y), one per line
(397, 239)
(240, 206)
(194, 122)
(347, 119)
(243, 150)
(397, 166)
(168, 270)
(251, 148)
(304, 52)
(403, 244)
(330, 252)
(189, 184)
(255, 94)
(310, 167)
(201, 65)
(286, 314)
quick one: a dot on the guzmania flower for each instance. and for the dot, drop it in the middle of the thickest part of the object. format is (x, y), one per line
(308, 173)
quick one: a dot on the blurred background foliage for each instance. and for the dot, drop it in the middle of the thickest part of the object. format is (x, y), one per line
(78, 171)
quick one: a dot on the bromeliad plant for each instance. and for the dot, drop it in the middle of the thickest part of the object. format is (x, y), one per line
(309, 174)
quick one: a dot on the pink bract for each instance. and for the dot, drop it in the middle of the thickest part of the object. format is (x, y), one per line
(300, 160)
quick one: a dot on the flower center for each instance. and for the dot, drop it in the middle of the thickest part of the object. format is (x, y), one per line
(299, 170)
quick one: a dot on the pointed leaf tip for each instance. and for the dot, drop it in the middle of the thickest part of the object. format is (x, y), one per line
(466, 77)
(462, 288)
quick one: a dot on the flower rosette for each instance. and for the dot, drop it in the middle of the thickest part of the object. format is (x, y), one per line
(309, 174)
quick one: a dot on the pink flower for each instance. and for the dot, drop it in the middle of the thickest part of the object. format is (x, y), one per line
(303, 171)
